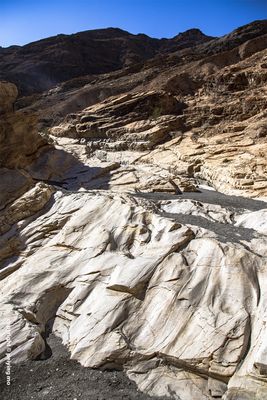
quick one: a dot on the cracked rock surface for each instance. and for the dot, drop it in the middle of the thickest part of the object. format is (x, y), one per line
(127, 285)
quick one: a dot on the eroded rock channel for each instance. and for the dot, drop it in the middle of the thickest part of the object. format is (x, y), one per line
(111, 246)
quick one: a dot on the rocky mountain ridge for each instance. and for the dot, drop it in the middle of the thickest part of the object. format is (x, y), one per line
(109, 238)
(37, 66)
(89, 52)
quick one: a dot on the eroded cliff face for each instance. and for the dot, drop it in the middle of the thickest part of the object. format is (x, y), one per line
(217, 134)
(19, 146)
(109, 239)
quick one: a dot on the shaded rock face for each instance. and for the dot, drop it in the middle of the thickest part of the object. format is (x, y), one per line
(8, 96)
(19, 145)
(108, 237)
(27, 156)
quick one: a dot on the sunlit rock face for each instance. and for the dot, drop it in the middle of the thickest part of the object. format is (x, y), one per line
(126, 285)
(108, 237)
(217, 134)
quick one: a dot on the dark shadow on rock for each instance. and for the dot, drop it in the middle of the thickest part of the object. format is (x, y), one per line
(47, 353)
(211, 197)
(59, 168)
(225, 232)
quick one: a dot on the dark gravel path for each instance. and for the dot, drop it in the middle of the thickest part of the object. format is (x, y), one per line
(59, 378)
(224, 232)
(211, 197)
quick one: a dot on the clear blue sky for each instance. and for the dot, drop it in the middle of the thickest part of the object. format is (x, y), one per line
(23, 21)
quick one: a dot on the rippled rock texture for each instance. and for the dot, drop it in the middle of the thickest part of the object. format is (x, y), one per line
(126, 285)
(108, 238)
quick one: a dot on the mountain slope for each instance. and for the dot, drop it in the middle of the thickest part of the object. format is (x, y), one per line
(40, 65)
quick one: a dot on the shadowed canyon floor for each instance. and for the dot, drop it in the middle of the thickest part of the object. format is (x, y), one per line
(109, 238)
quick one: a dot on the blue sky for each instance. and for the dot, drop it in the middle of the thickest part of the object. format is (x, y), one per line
(23, 21)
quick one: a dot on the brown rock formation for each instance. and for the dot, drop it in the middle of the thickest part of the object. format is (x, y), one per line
(217, 133)
(8, 96)
(19, 145)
